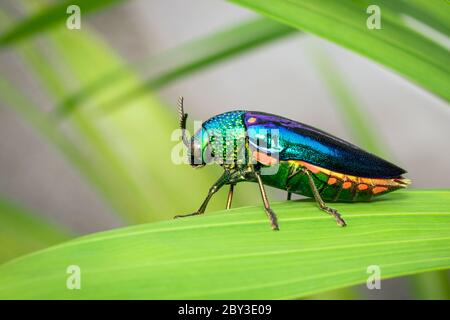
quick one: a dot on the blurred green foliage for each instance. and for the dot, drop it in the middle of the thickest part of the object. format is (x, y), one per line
(22, 232)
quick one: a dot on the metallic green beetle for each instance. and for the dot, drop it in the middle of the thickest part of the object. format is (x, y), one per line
(288, 155)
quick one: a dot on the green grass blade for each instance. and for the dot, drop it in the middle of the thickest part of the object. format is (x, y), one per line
(21, 233)
(396, 45)
(48, 17)
(234, 255)
(184, 60)
(433, 13)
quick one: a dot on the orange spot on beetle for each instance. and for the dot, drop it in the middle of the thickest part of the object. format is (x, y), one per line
(310, 167)
(367, 181)
(346, 185)
(332, 180)
(251, 120)
(264, 158)
(379, 189)
(362, 187)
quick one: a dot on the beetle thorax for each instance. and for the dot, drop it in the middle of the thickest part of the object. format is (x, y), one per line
(226, 136)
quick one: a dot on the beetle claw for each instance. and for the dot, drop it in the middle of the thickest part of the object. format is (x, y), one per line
(273, 219)
(186, 215)
(336, 215)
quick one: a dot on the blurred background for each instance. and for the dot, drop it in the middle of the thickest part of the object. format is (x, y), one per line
(86, 115)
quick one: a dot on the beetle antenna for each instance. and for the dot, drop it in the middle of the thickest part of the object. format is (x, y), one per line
(183, 117)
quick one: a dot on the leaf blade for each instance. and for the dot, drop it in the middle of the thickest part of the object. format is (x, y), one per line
(47, 17)
(236, 255)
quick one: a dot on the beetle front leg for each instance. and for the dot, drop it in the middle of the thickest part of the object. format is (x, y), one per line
(270, 214)
(216, 187)
(321, 203)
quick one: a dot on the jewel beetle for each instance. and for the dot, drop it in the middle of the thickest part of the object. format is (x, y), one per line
(279, 152)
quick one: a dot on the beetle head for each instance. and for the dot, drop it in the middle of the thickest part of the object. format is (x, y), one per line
(198, 149)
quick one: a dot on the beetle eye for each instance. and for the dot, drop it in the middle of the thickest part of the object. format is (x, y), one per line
(195, 154)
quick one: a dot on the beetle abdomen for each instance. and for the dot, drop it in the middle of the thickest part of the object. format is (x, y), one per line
(332, 186)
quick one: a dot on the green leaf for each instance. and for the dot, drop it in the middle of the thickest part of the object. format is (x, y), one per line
(21, 232)
(396, 45)
(433, 13)
(182, 61)
(47, 17)
(235, 254)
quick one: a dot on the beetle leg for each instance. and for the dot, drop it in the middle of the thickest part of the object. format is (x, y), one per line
(270, 214)
(230, 196)
(321, 203)
(215, 187)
